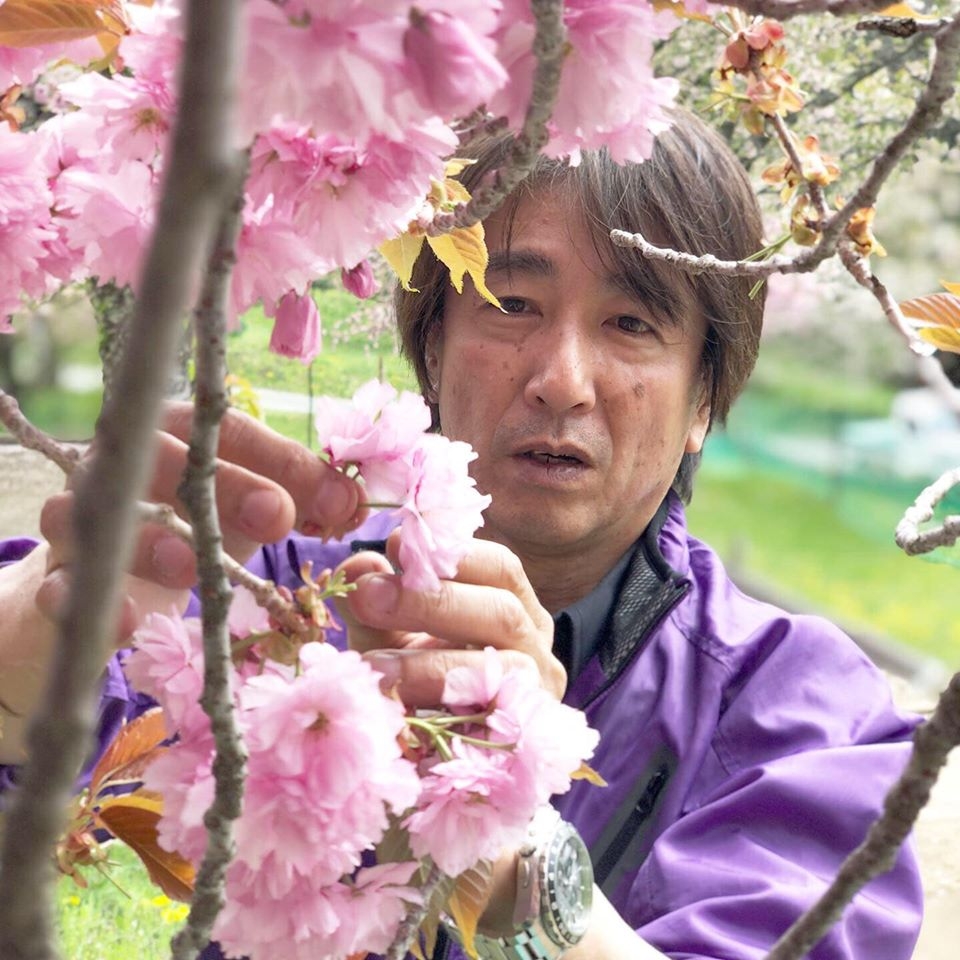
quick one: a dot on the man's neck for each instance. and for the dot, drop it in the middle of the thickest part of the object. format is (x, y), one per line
(561, 579)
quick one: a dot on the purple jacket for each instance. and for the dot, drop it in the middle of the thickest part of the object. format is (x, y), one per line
(746, 752)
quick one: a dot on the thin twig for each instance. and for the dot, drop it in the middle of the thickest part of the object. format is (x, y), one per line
(902, 27)
(932, 743)
(858, 267)
(411, 922)
(27, 435)
(549, 49)
(814, 190)
(909, 536)
(198, 492)
(61, 734)
(804, 262)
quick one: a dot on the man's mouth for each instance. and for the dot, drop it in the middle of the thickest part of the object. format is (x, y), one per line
(551, 459)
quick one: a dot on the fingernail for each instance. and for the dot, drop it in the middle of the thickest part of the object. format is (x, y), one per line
(379, 594)
(173, 560)
(335, 502)
(260, 509)
(387, 663)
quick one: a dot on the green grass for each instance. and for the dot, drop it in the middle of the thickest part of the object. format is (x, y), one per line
(817, 549)
(101, 923)
(347, 360)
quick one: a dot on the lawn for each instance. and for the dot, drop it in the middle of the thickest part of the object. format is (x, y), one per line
(816, 549)
(103, 922)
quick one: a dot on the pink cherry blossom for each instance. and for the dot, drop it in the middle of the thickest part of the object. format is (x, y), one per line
(167, 664)
(325, 764)
(129, 117)
(376, 430)
(359, 280)
(449, 65)
(296, 329)
(478, 802)
(342, 196)
(183, 776)
(600, 102)
(22, 65)
(440, 513)
(317, 921)
(25, 225)
(107, 216)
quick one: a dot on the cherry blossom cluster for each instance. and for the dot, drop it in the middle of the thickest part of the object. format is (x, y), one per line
(379, 436)
(348, 109)
(333, 763)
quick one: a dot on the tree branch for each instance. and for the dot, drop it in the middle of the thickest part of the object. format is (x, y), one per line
(932, 743)
(804, 262)
(786, 9)
(908, 535)
(198, 492)
(858, 267)
(939, 89)
(549, 48)
(61, 735)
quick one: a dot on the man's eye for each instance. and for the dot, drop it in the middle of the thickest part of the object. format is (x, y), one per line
(513, 304)
(633, 324)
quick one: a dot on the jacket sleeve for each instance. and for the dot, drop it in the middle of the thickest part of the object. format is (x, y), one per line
(118, 702)
(806, 748)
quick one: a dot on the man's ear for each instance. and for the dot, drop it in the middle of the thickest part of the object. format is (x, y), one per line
(431, 356)
(700, 423)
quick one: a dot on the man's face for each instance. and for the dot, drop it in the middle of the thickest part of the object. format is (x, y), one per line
(578, 400)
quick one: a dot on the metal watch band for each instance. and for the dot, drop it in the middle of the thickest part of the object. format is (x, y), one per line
(525, 944)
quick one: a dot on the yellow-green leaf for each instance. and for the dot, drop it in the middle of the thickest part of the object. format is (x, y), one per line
(133, 818)
(456, 165)
(586, 772)
(900, 10)
(953, 288)
(677, 8)
(32, 23)
(401, 253)
(936, 319)
(464, 251)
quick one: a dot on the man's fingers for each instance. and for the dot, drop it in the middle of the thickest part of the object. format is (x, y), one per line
(325, 501)
(252, 509)
(418, 676)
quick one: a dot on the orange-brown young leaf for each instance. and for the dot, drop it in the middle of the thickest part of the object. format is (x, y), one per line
(133, 818)
(125, 759)
(32, 23)
(467, 901)
(936, 319)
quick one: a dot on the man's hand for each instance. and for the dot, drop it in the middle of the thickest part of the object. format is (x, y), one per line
(266, 485)
(415, 638)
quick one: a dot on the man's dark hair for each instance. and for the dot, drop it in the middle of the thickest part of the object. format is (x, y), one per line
(691, 195)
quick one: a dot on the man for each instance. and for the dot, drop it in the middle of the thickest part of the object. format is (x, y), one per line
(746, 751)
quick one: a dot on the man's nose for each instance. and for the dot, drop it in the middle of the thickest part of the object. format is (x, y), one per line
(562, 371)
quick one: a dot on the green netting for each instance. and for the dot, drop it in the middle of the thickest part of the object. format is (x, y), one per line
(866, 488)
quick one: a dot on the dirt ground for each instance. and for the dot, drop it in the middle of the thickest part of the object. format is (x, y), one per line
(26, 480)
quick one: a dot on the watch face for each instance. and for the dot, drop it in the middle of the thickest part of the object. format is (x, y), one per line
(568, 884)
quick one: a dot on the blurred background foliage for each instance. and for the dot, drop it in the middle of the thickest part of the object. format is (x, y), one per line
(801, 492)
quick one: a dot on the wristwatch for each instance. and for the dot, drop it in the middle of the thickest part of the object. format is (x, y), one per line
(554, 894)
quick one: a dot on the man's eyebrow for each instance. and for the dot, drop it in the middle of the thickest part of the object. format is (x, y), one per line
(521, 261)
